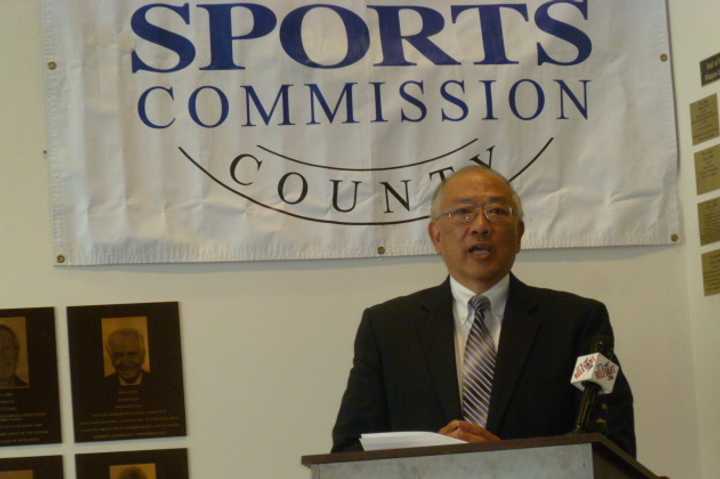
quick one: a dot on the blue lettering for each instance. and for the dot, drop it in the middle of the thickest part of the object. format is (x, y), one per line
(391, 37)
(489, 110)
(540, 99)
(221, 37)
(565, 90)
(224, 106)
(165, 38)
(563, 31)
(316, 93)
(142, 110)
(251, 97)
(358, 36)
(454, 100)
(413, 100)
(492, 31)
(377, 89)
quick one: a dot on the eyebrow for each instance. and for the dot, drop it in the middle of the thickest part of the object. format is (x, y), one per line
(489, 199)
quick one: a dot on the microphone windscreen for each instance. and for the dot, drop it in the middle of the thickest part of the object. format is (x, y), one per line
(597, 369)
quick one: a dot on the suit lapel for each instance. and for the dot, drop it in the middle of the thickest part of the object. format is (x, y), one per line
(519, 330)
(437, 338)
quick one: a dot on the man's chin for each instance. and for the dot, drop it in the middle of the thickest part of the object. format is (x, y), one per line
(485, 276)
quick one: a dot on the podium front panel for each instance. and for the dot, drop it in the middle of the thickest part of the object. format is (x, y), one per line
(555, 462)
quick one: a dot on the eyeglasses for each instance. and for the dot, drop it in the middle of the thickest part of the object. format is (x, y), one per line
(496, 213)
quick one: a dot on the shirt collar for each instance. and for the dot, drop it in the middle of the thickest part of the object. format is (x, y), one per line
(497, 295)
(136, 382)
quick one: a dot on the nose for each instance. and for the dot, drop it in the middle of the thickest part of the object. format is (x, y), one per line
(480, 225)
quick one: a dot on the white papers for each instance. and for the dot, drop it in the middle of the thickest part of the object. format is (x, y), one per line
(404, 439)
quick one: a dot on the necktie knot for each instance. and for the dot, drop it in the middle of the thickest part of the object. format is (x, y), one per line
(479, 303)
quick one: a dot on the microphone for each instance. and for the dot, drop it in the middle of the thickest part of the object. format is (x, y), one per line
(594, 374)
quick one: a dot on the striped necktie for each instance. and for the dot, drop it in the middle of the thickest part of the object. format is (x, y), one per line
(479, 365)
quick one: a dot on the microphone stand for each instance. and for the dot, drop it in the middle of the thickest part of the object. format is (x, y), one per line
(587, 406)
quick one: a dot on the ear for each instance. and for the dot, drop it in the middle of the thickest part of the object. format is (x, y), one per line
(520, 233)
(434, 233)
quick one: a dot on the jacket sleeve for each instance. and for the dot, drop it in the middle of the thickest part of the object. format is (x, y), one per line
(614, 415)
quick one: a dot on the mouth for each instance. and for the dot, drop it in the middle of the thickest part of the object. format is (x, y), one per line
(480, 250)
(128, 370)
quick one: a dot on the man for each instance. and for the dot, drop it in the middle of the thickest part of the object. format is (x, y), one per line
(132, 473)
(411, 371)
(126, 349)
(9, 354)
(130, 386)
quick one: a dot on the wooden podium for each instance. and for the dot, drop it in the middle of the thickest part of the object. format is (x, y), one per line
(584, 456)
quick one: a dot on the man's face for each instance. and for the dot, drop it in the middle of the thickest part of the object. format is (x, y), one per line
(481, 253)
(127, 355)
(8, 355)
(133, 473)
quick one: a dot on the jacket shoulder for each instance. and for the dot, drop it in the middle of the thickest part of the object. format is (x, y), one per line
(547, 296)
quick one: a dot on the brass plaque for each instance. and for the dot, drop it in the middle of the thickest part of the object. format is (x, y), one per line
(710, 69)
(709, 219)
(26, 474)
(146, 464)
(38, 467)
(126, 372)
(707, 170)
(29, 398)
(704, 119)
(711, 272)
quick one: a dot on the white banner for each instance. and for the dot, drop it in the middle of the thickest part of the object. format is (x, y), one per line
(220, 131)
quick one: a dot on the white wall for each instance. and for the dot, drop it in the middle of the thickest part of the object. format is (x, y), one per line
(695, 32)
(267, 346)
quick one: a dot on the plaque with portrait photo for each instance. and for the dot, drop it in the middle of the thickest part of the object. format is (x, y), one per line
(126, 368)
(42, 467)
(29, 400)
(157, 464)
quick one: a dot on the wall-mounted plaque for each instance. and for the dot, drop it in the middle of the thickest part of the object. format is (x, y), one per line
(709, 220)
(43, 467)
(707, 169)
(157, 464)
(127, 375)
(710, 69)
(711, 272)
(29, 401)
(704, 119)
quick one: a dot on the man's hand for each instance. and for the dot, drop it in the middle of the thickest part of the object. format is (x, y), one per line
(468, 432)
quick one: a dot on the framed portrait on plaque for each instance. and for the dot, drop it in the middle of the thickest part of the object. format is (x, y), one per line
(126, 368)
(43, 467)
(157, 464)
(29, 401)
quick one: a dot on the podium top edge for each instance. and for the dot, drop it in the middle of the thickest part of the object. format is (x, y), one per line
(598, 442)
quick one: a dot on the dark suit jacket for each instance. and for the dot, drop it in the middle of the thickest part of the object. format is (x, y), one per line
(150, 393)
(404, 375)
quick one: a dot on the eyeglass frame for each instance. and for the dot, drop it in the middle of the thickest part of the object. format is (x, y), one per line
(474, 211)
